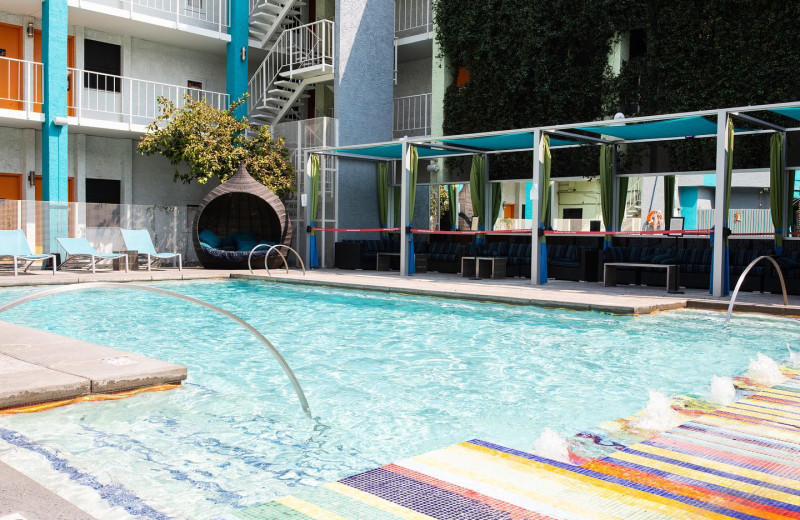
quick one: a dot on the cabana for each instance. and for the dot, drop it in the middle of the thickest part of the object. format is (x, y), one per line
(721, 125)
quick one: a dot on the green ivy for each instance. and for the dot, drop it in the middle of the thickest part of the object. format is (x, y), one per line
(536, 63)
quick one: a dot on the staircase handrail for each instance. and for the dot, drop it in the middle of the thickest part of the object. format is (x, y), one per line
(299, 45)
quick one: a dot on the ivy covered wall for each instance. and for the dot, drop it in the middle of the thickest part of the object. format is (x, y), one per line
(535, 63)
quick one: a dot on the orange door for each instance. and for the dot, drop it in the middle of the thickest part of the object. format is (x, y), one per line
(10, 186)
(38, 85)
(10, 77)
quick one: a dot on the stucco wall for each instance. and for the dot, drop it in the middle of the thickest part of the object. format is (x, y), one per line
(176, 65)
(152, 183)
(364, 91)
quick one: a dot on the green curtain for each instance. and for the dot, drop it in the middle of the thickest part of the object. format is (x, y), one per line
(383, 196)
(452, 195)
(776, 188)
(623, 198)
(396, 195)
(544, 208)
(497, 201)
(477, 174)
(669, 199)
(313, 165)
(606, 191)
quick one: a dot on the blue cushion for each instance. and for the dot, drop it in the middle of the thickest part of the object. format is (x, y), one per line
(210, 238)
(663, 258)
(203, 244)
(245, 244)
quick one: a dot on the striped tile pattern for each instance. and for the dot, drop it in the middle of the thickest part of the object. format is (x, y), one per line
(741, 461)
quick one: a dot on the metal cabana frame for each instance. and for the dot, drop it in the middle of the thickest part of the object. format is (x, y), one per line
(645, 129)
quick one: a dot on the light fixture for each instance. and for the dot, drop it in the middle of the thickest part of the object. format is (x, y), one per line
(433, 167)
(618, 116)
(29, 30)
(243, 53)
(31, 178)
(60, 121)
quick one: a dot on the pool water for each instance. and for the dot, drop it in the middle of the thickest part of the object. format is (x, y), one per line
(387, 377)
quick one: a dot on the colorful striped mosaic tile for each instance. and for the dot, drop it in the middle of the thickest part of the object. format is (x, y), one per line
(741, 461)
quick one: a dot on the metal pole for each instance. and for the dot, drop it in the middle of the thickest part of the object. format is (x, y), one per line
(405, 172)
(787, 190)
(307, 208)
(719, 201)
(535, 205)
(488, 218)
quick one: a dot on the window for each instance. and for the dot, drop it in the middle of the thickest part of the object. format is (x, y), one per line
(195, 89)
(102, 191)
(194, 5)
(103, 64)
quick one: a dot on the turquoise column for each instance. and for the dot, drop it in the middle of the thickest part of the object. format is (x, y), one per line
(236, 73)
(54, 137)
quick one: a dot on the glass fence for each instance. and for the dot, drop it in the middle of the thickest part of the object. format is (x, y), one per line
(170, 227)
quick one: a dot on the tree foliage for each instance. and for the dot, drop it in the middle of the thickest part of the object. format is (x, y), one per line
(213, 142)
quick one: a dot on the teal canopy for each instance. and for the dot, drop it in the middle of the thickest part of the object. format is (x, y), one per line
(501, 142)
(683, 127)
(794, 113)
(392, 152)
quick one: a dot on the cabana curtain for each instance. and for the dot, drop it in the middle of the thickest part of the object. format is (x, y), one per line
(544, 200)
(606, 192)
(497, 200)
(776, 187)
(413, 160)
(313, 169)
(623, 198)
(452, 195)
(669, 199)
(476, 190)
(383, 196)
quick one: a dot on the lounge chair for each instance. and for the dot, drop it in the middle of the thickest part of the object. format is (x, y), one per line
(14, 245)
(139, 240)
(80, 253)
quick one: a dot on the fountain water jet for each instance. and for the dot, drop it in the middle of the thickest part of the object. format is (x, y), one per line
(765, 371)
(551, 445)
(658, 415)
(722, 391)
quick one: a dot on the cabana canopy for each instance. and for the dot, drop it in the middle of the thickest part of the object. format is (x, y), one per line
(700, 124)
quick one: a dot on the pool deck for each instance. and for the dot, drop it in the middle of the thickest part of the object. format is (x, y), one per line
(557, 294)
(739, 461)
(38, 366)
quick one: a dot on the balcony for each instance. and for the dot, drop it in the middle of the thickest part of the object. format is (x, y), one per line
(127, 105)
(101, 103)
(201, 24)
(412, 116)
(413, 18)
(21, 87)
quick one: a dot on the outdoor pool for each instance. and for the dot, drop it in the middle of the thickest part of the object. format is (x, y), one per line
(387, 377)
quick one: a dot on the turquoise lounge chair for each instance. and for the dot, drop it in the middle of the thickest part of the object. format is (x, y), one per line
(139, 240)
(14, 245)
(80, 253)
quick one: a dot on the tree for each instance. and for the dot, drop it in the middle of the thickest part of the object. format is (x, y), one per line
(213, 142)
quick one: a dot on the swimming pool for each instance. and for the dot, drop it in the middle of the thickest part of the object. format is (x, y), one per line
(387, 377)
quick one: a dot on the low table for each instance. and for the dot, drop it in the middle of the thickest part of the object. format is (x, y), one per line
(492, 267)
(389, 261)
(610, 273)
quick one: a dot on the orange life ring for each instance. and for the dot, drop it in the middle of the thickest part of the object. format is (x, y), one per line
(655, 218)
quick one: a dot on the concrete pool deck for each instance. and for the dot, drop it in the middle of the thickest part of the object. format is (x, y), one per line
(557, 293)
(38, 366)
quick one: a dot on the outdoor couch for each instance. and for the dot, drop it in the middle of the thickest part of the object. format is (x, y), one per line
(363, 254)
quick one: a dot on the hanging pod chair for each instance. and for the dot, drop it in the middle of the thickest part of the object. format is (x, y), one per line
(233, 218)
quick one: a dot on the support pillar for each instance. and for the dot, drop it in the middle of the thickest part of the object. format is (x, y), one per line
(55, 151)
(487, 197)
(236, 63)
(405, 173)
(536, 208)
(720, 203)
(615, 194)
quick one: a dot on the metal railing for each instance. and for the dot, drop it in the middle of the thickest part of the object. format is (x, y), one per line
(207, 14)
(413, 114)
(297, 48)
(94, 95)
(21, 85)
(412, 17)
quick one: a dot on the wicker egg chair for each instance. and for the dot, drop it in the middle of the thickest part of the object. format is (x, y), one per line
(241, 206)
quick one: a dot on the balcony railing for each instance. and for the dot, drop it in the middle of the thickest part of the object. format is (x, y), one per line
(213, 15)
(412, 115)
(412, 17)
(21, 85)
(128, 100)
